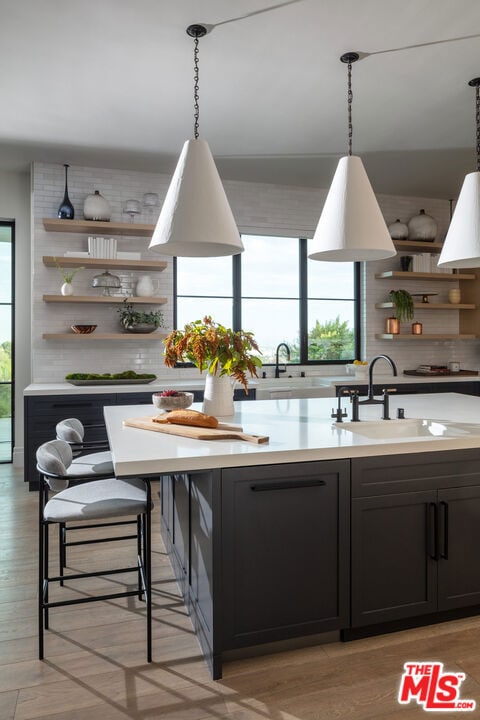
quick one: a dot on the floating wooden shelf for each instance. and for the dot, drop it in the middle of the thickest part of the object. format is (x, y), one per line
(388, 336)
(445, 277)
(89, 227)
(417, 246)
(103, 299)
(124, 337)
(103, 263)
(430, 306)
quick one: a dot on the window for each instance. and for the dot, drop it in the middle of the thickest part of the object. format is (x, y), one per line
(273, 290)
(6, 341)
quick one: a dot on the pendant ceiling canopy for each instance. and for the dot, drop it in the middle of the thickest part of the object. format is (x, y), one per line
(351, 226)
(196, 219)
(461, 248)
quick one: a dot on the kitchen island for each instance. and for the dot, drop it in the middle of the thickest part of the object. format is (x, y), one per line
(322, 529)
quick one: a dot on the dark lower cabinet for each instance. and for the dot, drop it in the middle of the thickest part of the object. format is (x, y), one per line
(415, 535)
(266, 556)
(393, 573)
(459, 544)
(285, 551)
(467, 387)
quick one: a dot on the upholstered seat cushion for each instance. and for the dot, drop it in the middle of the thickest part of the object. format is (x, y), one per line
(97, 500)
(99, 463)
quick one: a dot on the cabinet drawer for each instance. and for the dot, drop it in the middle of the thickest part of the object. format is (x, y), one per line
(84, 406)
(136, 398)
(417, 471)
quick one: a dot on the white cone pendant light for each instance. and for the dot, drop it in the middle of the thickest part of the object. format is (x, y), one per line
(351, 227)
(196, 219)
(461, 248)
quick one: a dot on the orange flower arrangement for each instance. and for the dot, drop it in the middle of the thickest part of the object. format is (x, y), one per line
(215, 348)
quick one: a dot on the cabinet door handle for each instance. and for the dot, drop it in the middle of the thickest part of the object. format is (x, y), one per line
(286, 485)
(444, 508)
(432, 530)
(72, 405)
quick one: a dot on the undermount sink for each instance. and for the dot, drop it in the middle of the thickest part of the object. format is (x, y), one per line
(409, 428)
(290, 388)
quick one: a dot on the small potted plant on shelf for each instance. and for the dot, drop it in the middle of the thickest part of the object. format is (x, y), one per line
(225, 355)
(137, 321)
(67, 275)
(404, 310)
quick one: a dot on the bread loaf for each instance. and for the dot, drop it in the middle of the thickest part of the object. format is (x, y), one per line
(187, 417)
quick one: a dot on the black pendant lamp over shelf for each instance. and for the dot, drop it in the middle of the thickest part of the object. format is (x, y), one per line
(461, 248)
(196, 219)
(66, 211)
(351, 226)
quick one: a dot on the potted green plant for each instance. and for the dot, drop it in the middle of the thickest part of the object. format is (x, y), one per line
(225, 355)
(403, 308)
(137, 321)
(67, 275)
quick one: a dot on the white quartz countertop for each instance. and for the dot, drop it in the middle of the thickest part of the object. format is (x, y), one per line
(198, 383)
(299, 430)
(65, 388)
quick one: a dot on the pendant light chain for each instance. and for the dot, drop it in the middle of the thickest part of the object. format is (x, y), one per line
(349, 103)
(477, 118)
(196, 31)
(349, 58)
(195, 90)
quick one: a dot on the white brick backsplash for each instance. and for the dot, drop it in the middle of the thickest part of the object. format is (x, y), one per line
(258, 209)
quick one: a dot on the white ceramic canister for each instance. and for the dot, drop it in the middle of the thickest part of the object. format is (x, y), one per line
(422, 227)
(398, 230)
(144, 287)
(96, 207)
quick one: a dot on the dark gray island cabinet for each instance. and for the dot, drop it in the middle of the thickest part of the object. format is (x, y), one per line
(261, 553)
(415, 535)
(273, 552)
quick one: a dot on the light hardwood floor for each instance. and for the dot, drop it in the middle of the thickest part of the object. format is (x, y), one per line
(96, 670)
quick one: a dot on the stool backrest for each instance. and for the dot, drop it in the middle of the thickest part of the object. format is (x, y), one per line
(54, 457)
(71, 430)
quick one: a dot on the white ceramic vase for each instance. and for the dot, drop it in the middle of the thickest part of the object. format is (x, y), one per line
(398, 230)
(67, 289)
(422, 227)
(218, 397)
(96, 207)
(144, 286)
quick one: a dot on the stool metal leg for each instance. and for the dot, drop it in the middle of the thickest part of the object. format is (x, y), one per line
(41, 567)
(62, 552)
(148, 568)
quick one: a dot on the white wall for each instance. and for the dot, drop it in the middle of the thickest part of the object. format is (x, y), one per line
(15, 205)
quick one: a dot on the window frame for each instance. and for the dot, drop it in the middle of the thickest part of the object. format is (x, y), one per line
(303, 299)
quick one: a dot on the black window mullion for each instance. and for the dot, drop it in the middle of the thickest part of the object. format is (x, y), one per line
(175, 300)
(303, 303)
(237, 292)
(357, 291)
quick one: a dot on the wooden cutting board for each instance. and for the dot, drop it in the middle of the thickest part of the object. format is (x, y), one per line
(222, 432)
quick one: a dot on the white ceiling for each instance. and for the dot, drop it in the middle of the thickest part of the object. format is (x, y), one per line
(110, 83)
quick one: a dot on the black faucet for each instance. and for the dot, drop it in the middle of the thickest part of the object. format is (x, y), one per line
(339, 413)
(370, 398)
(277, 369)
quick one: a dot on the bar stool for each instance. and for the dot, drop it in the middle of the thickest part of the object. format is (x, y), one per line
(89, 464)
(83, 500)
